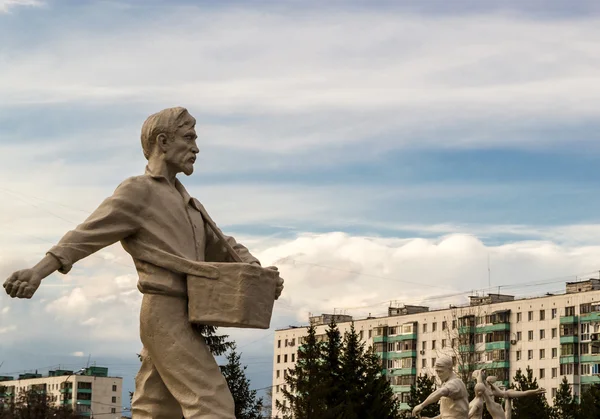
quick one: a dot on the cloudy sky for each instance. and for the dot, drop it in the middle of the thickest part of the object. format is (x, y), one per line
(373, 150)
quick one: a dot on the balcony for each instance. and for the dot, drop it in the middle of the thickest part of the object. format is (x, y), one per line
(491, 346)
(569, 359)
(569, 339)
(589, 379)
(403, 354)
(399, 338)
(404, 371)
(590, 317)
(466, 330)
(493, 365)
(498, 327)
(378, 339)
(466, 348)
(568, 319)
(590, 358)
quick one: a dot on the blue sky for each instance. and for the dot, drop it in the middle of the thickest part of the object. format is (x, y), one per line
(360, 145)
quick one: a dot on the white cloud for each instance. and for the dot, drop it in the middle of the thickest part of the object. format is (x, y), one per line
(6, 5)
(362, 274)
(331, 78)
(78, 354)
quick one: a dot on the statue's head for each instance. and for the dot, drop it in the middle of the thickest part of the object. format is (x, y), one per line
(443, 367)
(170, 135)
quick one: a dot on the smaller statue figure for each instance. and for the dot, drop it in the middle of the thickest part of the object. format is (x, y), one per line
(486, 390)
(452, 395)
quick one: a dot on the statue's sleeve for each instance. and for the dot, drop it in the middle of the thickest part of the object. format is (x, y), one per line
(117, 217)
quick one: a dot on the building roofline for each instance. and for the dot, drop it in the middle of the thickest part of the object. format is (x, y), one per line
(452, 306)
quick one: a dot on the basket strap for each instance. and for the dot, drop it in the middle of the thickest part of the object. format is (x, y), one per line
(218, 232)
(174, 263)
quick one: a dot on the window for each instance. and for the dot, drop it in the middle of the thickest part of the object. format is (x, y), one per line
(542, 314)
(454, 342)
(518, 355)
(423, 363)
(554, 332)
(553, 311)
(279, 343)
(542, 353)
(424, 327)
(530, 335)
(278, 359)
(114, 399)
(542, 333)
(530, 316)
(569, 311)
(433, 362)
(434, 326)
(519, 336)
(453, 324)
(277, 389)
(277, 374)
(519, 317)
(443, 343)
(370, 333)
(585, 308)
(553, 392)
(423, 345)
(530, 354)
(554, 372)
(444, 325)
(542, 373)
(114, 388)
(584, 348)
(285, 358)
(113, 410)
(293, 357)
(433, 344)
(362, 335)
(86, 386)
(554, 352)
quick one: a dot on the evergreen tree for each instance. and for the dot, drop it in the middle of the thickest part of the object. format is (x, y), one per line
(247, 406)
(305, 396)
(590, 403)
(529, 407)
(368, 394)
(379, 399)
(565, 405)
(332, 372)
(218, 344)
(423, 387)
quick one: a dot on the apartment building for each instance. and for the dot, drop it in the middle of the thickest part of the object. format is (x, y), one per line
(555, 335)
(90, 392)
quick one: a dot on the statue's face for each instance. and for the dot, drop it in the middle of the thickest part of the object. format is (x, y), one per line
(442, 372)
(182, 149)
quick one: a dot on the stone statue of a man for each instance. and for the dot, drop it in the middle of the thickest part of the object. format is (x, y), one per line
(154, 213)
(452, 395)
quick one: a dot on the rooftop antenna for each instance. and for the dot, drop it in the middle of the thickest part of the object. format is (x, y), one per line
(88, 363)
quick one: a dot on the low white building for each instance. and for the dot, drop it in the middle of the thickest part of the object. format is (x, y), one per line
(90, 392)
(554, 335)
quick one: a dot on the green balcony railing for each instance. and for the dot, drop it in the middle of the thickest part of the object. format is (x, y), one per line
(569, 339)
(568, 319)
(499, 327)
(492, 346)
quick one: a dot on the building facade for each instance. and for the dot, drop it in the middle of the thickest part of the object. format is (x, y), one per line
(90, 392)
(555, 335)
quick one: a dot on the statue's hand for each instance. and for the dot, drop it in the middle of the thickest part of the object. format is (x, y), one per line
(23, 284)
(541, 390)
(279, 287)
(417, 411)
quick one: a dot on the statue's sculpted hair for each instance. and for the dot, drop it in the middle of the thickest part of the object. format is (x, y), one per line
(164, 122)
(445, 362)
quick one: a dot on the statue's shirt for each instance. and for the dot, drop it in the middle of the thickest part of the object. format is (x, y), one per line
(148, 215)
(456, 404)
